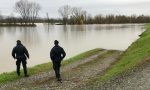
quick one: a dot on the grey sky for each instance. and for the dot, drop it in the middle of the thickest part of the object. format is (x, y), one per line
(94, 7)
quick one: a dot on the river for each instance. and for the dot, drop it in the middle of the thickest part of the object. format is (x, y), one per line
(73, 38)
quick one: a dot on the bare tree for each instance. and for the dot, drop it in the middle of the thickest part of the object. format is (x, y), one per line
(33, 11)
(1, 17)
(78, 14)
(65, 12)
(85, 15)
(47, 20)
(22, 8)
(28, 10)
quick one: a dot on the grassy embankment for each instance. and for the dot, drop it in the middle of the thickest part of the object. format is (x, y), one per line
(7, 77)
(133, 57)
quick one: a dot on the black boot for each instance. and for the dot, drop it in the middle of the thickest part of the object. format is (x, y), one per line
(26, 75)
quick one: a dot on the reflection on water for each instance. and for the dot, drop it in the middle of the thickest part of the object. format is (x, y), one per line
(73, 38)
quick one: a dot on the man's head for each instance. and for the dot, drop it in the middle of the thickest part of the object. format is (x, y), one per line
(56, 42)
(18, 42)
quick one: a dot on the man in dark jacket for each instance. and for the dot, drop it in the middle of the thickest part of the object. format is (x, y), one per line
(20, 53)
(57, 54)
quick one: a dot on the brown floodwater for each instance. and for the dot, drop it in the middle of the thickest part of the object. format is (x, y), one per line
(73, 38)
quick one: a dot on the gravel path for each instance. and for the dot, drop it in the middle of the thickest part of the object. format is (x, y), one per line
(73, 75)
(136, 80)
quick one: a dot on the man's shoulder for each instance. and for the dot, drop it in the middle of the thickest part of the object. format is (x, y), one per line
(14, 47)
(23, 46)
(20, 46)
(60, 47)
(53, 48)
(57, 48)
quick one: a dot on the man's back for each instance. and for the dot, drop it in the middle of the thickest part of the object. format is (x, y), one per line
(57, 53)
(20, 52)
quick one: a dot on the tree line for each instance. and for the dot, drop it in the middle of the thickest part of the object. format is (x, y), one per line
(75, 15)
(29, 12)
(116, 19)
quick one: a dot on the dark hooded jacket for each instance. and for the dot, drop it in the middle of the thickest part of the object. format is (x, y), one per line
(20, 52)
(57, 53)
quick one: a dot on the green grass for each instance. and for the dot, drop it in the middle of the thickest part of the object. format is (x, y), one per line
(132, 57)
(8, 77)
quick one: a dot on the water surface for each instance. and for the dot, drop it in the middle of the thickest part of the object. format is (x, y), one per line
(73, 38)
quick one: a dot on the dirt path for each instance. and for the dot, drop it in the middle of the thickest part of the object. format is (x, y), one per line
(137, 80)
(73, 75)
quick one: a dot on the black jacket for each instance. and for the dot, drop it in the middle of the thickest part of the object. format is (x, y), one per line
(20, 52)
(57, 53)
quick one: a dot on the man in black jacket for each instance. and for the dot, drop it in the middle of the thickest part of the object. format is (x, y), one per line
(20, 53)
(57, 54)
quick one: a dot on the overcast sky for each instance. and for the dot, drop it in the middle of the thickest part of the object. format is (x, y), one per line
(94, 7)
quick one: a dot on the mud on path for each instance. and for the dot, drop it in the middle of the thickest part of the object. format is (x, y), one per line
(73, 75)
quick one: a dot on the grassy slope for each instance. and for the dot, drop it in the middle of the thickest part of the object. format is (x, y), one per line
(133, 56)
(7, 77)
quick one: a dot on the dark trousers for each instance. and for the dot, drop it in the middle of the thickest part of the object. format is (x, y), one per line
(56, 67)
(18, 63)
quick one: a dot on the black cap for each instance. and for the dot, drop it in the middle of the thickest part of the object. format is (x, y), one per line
(56, 42)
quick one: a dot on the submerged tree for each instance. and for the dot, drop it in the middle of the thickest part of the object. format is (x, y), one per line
(1, 17)
(78, 15)
(28, 10)
(34, 10)
(65, 12)
(72, 15)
